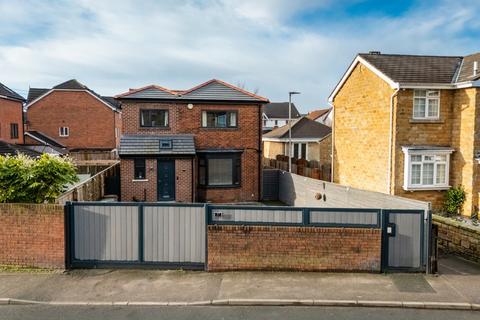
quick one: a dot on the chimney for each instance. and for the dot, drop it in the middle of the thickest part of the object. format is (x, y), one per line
(374, 52)
(475, 68)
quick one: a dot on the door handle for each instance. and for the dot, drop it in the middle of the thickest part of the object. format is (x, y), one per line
(391, 229)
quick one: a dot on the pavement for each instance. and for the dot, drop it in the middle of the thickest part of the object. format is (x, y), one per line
(456, 287)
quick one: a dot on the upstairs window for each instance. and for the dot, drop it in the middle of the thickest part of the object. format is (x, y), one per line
(426, 104)
(154, 118)
(139, 169)
(14, 130)
(219, 119)
(426, 170)
(63, 131)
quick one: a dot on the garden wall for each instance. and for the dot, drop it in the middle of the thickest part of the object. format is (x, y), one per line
(458, 238)
(32, 235)
(235, 247)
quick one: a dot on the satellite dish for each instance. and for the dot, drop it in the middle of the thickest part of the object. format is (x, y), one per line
(190, 106)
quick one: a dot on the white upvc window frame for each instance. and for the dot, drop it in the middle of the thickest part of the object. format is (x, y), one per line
(64, 131)
(427, 157)
(428, 97)
(299, 149)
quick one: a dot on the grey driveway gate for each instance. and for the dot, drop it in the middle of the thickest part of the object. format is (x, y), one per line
(131, 234)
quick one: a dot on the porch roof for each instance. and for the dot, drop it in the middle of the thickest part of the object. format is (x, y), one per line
(176, 144)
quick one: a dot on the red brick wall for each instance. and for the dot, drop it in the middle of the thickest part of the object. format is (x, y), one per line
(183, 120)
(293, 248)
(32, 235)
(91, 122)
(10, 112)
(146, 190)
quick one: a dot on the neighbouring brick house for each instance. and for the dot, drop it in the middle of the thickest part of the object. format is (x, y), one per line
(11, 115)
(408, 125)
(311, 140)
(196, 145)
(72, 116)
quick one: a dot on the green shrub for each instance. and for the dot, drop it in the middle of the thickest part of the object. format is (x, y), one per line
(27, 180)
(454, 200)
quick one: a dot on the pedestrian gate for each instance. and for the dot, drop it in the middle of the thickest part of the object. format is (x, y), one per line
(129, 234)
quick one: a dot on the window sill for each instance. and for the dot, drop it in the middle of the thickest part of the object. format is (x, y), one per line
(427, 188)
(220, 187)
(226, 129)
(427, 121)
(154, 128)
(139, 180)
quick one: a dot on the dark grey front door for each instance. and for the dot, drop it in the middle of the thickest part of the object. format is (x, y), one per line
(166, 180)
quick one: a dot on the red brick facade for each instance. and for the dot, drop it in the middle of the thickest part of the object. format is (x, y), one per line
(92, 124)
(11, 112)
(32, 235)
(245, 137)
(293, 248)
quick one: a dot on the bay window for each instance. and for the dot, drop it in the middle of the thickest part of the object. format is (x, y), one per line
(426, 169)
(426, 104)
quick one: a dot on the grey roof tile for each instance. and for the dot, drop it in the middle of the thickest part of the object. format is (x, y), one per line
(213, 90)
(9, 93)
(302, 128)
(279, 110)
(13, 149)
(34, 93)
(466, 71)
(415, 68)
(131, 145)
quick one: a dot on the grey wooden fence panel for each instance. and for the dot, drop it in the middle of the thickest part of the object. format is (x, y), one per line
(106, 233)
(174, 234)
(257, 215)
(346, 217)
(404, 249)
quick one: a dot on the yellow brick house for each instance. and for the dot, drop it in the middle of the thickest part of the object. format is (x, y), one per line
(409, 125)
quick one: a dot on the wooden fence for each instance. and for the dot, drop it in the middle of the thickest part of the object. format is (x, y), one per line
(93, 155)
(92, 189)
(311, 169)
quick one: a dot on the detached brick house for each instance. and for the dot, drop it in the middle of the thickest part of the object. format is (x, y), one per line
(408, 125)
(72, 116)
(11, 116)
(196, 145)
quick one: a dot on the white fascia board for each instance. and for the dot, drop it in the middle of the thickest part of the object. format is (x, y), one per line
(52, 90)
(438, 86)
(35, 138)
(358, 60)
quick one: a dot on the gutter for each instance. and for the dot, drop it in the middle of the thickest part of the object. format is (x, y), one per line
(390, 143)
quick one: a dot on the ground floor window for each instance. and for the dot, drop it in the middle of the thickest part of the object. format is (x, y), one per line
(139, 169)
(426, 169)
(219, 169)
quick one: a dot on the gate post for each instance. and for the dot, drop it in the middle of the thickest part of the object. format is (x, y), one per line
(140, 233)
(68, 233)
(384, 241)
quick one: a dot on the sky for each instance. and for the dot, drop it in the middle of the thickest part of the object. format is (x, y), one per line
(267, 46)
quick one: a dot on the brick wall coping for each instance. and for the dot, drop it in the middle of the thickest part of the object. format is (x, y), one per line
(245, 228)
(457, 224)
(44, 207)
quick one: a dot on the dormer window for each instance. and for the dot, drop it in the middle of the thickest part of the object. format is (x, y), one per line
(426, 104)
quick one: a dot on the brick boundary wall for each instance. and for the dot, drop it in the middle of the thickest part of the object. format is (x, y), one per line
(293, 248)
(458, 238)
(32, 235)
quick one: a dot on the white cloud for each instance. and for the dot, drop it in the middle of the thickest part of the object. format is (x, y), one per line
(114, 45)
